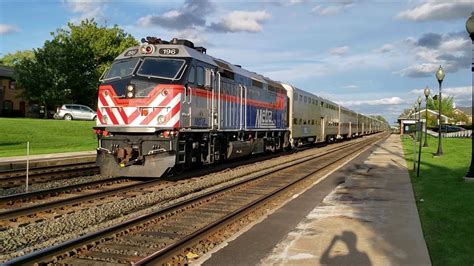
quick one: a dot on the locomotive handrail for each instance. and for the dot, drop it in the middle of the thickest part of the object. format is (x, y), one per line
(212, 99)
(241, 124)
(219, 100)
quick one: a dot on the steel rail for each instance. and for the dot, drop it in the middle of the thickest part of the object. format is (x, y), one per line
(45, 192)
(46, 176)
(6, 174)
(13, 213)
(68, 201)
(90, 237)
(168, 251)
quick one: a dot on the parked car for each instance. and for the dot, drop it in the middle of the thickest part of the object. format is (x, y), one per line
(76, 112)
(449, 129)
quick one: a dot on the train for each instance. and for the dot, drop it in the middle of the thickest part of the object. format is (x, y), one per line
(168, 105)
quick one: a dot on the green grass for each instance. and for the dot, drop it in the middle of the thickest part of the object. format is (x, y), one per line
(45, 136)
(447, 209)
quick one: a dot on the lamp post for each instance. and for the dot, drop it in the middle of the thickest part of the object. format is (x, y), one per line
(439, 77)
(427, 93)
(414, 138)
(470, 30)
(420, 135)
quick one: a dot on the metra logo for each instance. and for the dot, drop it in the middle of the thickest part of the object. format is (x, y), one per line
(264, 119)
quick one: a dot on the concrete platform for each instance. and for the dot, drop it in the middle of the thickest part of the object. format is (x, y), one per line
(370, 219)
(45, 160)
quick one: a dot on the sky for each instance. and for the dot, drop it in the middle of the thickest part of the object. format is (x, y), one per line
(374, 57)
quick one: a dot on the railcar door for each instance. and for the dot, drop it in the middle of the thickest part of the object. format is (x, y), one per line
(323, 129)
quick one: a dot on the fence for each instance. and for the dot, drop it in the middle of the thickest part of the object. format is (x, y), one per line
(459, 134)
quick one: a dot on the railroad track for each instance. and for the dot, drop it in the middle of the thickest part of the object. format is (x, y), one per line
(23, 211)
(17, 201)
(14, 178)
(157, 237)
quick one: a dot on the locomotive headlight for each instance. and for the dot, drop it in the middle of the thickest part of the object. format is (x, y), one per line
(130, 91)
(147, 49)
(161, 119)
(164, 92)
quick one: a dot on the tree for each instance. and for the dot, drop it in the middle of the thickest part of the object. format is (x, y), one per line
(105, 43)
(381, 118)
(447, 105)
(460, 117)
(11, 59)
(406, 112)
(68, 67)
(60, 72)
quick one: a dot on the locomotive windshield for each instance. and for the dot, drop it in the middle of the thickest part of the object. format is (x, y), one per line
(121, 68)
(160, 68)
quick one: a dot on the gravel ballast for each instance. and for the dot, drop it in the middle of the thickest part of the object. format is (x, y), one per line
(22, 240)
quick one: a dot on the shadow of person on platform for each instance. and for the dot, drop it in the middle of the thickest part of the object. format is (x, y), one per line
(355, 257)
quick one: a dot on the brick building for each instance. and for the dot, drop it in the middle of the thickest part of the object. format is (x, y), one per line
(11, 101)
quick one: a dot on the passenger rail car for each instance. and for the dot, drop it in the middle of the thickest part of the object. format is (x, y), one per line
(168, 105)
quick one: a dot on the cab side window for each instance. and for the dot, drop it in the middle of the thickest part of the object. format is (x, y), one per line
(192, 75)
(200, 76)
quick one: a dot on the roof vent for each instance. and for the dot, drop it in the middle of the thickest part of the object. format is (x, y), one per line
(153, 40)
(201, 49)
(182, 42)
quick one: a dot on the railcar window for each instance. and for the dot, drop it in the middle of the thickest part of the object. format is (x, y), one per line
(257, 83)
(160, 68)
(295, 121)
(121, 68)
(200, 76)
(301, 98)
(192, 75)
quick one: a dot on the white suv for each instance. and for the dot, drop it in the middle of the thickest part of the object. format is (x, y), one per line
(76, 112)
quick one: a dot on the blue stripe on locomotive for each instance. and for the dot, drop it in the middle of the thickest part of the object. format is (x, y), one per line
(257, 117)
(265, 118)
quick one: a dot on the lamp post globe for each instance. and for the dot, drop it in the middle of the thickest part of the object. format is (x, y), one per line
(470, 25)
(470, 31)
(427, 94)
(440, 77)
(440, 74)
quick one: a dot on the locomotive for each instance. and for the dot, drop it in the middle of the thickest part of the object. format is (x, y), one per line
(168, 105)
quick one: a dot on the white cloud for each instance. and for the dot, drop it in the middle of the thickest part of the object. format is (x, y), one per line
(351, 87)
(417, 92)
(386, 48)
(87, 9)
(332, 9)
(383, 101)
(454, 45)
(235, 21)
(191, 14)
(426, 53)
(419, 70)
(339, 50)
(461, 95)
(6, 29)
(458, 92)
(198, 37)
(438, 10)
